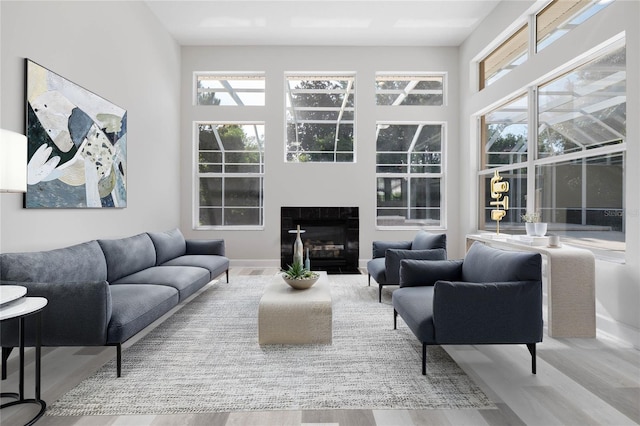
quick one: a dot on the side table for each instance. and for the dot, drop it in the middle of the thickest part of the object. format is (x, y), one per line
(21, 308)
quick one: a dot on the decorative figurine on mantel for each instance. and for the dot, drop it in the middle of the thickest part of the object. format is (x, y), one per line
(498, 191)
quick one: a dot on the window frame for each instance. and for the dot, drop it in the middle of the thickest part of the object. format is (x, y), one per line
(233, 92)
(535, 160)
(388, 76)
(290, 111)
(223, 175)
(409, 174)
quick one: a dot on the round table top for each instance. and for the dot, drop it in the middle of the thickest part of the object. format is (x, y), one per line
(21, 307)
(9, 293)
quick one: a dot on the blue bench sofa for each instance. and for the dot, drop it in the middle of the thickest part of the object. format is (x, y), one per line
(103, 292)
(491, 296)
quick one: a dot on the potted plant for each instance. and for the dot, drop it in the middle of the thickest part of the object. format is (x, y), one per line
(533, 226)
(299, 277)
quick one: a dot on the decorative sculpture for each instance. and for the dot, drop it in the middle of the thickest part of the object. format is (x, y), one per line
(498, 191)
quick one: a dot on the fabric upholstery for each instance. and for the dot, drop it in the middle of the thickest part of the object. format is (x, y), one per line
(487, 264)
(425, 240)
(169, 245)
(215, 265)
(394, 256)
(415, 273)
(500, 312)
(79, 317)
(209, 247)
(135, 306)
(380, 247)
(186, 279)
(126, 256)
(78, 263)
(376, 269)
(412, 304)
(492, 296)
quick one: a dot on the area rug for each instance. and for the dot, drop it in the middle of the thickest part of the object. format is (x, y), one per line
(206, 358)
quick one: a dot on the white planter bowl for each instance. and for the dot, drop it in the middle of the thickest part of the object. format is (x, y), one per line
(301, 284)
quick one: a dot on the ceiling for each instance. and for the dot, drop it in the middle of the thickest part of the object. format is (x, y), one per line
(321, 22)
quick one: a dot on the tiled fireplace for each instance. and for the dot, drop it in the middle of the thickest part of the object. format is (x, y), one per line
(330, 233)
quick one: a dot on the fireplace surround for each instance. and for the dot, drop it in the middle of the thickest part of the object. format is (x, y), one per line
(330, 233)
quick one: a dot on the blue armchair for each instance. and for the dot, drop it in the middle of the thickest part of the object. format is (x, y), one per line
(493, 296)
(385, 265)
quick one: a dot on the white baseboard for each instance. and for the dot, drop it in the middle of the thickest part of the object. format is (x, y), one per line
(254, 263)
(621, 333)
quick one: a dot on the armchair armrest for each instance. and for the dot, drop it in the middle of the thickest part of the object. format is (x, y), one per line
(77, 314)
(498, 312)
(393, 257)
(380, 247)
(215, 247)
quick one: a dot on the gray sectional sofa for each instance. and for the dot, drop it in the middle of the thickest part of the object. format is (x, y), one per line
(103, 292)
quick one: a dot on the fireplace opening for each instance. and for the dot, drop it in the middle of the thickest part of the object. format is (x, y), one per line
(330, 234)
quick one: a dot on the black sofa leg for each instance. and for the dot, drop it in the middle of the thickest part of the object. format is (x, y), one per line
(424, 359)
(5, 357)
(532, 351)
(369, 280)
(119, 359)
(395, 319)
(379, 293)
(227, 272)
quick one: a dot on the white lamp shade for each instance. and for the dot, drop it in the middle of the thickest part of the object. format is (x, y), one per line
(13, 162)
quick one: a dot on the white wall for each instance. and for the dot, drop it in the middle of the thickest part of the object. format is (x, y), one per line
(319, 184)
(119, 51)
(617, 285)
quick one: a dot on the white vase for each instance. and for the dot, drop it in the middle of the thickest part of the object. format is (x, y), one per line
(540, 229)
(297, 248)
(530, 227)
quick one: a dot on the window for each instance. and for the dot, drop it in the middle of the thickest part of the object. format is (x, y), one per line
(500, 62)
(241, 89)
(505, 134)
(560, 16)
(398, 90)
(409, 159)
(320, 118)
(581, 150)
(230, 174)
(571, 169)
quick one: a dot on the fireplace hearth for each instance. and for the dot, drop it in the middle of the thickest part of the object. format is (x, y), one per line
(330, 233)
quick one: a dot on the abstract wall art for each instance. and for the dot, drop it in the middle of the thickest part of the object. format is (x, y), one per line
(77, 145)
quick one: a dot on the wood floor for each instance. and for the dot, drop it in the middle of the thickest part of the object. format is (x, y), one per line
(579, 382)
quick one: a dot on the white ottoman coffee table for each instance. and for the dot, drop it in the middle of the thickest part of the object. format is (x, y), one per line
(289, 316)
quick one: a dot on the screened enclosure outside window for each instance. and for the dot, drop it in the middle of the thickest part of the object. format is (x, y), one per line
(576, 178)
(581, 146)
(561, 16)
(230, 174)
(504, 134)
(409, 161)
(241, 89)
(396, 90)
(320, 118)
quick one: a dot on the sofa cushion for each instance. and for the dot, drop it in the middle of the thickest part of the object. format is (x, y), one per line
(375, 268)
(135, 306)
(488, 264)
(169, 245)
(415, 273)
(78, 263)
(216, 265)
(415, 306)
(425, 240)
(394, 256)
(186, 279)
(126, 256)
